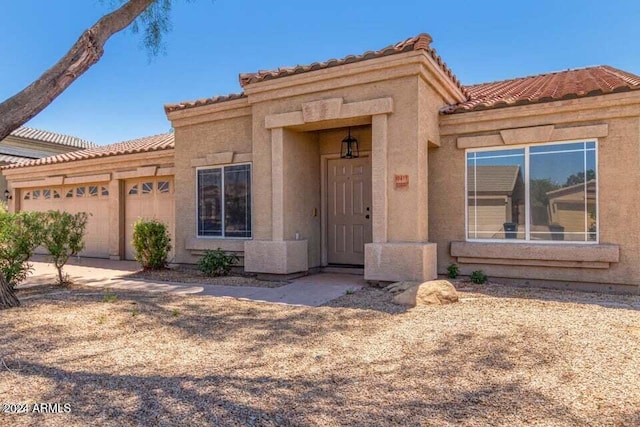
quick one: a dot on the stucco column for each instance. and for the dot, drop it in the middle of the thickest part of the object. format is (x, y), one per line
(116, 219)
(277, 183)
(379, 173)
(276, 256)
(397, 260)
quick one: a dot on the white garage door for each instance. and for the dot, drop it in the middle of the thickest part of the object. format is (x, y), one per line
(90, 198)
(148, 198)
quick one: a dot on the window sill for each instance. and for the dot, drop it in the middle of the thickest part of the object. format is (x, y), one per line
(201, 244)
(536, 254)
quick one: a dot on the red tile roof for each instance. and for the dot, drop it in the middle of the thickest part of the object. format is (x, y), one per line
(204, 101)
(419, 42)
(52, 137)
(147, 144)
(569, 84)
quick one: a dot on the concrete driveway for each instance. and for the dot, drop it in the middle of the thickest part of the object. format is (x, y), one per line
(311, 290)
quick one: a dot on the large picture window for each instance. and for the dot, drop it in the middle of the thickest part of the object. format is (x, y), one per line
(224, 201)
(538, 193)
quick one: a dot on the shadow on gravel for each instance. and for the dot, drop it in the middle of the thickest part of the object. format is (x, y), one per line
(628, 302)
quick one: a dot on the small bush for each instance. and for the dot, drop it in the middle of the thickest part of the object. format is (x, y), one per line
(217, 263)
(152, 243)
(20, 235)
(453, 271)
(64, 238)
(478, 277)
(109, 296)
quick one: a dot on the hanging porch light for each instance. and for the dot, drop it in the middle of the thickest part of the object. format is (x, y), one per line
(350, 149)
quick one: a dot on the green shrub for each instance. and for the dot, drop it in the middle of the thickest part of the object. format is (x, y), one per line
(152, 243)
(64, 238)
(109, 296)
(217, 263)
(478, 277)
(20, 235)
(453, 271)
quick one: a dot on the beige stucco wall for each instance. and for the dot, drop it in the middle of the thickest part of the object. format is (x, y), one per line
(302, 191)
(619, 210)
(3, 186)
(287, 159)
(406, 208)
(195, 142)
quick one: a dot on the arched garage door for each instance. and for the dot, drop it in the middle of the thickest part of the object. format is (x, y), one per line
(148, 198)
(90, 198)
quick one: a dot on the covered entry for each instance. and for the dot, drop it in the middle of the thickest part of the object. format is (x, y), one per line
(148, 198)
(90, 198)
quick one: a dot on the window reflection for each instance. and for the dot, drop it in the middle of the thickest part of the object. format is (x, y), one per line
(496, 194)
(210, 202)
(563, 192)
(562, 189)
(224, 201)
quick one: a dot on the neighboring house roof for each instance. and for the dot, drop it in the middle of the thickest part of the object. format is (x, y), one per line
(569, 84)
(163, 141)
(23, 152)
(576, 188)
(493, 179)
(419, 42)
(51, 137)
(10, 159)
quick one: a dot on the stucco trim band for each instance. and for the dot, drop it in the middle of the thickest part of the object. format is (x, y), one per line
(54, 180)
(88, 178)
(516, 253)
(534, 134)
(226, 157)
(329, 109)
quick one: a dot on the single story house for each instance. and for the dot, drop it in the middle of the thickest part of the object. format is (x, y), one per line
(382, 160)
(26, 143)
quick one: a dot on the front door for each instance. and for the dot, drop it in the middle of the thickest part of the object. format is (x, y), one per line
(349, 210)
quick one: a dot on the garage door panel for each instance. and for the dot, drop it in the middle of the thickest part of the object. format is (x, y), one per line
(148, 198)
(89, 198)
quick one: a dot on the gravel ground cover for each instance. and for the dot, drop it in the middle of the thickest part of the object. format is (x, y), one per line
(190, 274)
(500, 357)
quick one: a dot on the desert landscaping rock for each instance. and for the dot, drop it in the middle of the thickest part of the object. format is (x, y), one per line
(434, 292)
(508, 357)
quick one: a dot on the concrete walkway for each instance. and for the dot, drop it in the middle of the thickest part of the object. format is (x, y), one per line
(311, 290)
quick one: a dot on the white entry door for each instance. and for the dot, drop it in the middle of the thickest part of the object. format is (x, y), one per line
(349, 210)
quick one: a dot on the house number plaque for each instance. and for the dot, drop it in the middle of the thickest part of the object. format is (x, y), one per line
(401, 181)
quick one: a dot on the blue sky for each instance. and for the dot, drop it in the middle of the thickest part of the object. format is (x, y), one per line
(122, 96)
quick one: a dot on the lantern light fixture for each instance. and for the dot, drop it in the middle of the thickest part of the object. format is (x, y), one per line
(349, 149)
(7, 195)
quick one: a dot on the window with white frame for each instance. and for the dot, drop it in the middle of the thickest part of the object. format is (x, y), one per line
(545, 192)
(224, 201)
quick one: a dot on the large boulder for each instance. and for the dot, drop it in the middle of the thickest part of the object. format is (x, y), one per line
(434, 292)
